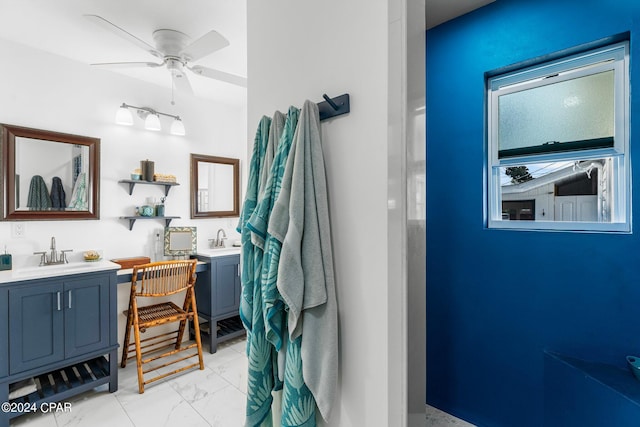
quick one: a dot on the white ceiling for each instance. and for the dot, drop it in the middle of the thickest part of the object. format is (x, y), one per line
(439, 11)
(58, 26)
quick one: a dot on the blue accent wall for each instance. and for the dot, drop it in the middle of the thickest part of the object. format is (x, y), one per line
(498, 299)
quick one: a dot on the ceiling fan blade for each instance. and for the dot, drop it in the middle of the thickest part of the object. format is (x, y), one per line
(127, 64)
(219, 75)
(124, 34)
(205, 45)
(181, 82)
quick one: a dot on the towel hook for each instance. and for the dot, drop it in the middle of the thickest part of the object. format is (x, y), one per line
(330, 102)
(332, 107)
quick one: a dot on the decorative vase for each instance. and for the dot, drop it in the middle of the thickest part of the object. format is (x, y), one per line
(147, 167)
(147, 210)
(159, 210)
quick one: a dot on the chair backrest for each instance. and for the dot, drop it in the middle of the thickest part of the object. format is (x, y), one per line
(163, 277)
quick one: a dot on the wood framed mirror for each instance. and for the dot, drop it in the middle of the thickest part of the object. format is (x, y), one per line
(49, 175)
(215, 186)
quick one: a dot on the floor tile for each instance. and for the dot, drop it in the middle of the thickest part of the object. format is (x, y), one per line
(35, 419)
(225, 408)
(197, 385)
(159, 405)
(95, 409)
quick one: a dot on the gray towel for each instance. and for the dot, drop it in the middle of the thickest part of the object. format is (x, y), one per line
(58, 196)
(38, 198)
(300, 219)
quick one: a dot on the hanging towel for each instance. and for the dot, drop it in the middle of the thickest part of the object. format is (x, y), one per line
(275, 132)
(260, 354)
(38, 198)
(79, 198)
(305, 274)
(58, 196)
(274, 313)
(250, 202)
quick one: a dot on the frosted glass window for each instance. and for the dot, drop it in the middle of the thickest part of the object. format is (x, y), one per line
(558, 144)
(568, 115)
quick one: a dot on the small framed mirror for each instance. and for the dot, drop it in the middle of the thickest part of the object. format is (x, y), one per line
(215, 186)
(49, 175)
(180, 241)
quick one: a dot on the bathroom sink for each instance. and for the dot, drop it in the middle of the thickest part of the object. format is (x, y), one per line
(60, 269)
(220, 251)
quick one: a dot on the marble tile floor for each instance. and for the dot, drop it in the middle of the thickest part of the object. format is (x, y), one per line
(214, 397)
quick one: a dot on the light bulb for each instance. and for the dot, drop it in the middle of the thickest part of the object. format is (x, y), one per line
(124, 116)
(177, 127)
(152, 122)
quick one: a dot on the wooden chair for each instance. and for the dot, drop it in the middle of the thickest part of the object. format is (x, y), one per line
(161, 279)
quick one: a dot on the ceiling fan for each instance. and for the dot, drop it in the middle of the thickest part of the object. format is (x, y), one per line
(175, 52)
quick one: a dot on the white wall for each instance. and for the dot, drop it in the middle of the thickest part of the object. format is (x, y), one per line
(44, 91)
(300, 50)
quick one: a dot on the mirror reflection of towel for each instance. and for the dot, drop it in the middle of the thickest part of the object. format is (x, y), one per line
(58, 196)
(39, 198)
(79, 200)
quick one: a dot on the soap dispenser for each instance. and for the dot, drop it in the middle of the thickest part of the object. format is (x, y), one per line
(5, 260)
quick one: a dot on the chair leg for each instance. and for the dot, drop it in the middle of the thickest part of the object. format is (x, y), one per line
(181, 329)
(185, 307)
(196, 328)
(127, 336)
(136, 335)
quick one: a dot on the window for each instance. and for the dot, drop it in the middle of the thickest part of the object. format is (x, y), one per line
(558, 144)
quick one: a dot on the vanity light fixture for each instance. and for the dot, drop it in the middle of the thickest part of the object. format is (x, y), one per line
(151, 118)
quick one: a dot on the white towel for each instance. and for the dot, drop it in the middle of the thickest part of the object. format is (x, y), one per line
(22, 388)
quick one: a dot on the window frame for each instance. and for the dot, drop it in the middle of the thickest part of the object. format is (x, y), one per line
(611, 57)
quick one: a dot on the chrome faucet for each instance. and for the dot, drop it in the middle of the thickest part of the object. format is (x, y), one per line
(218, 242)
(53, 257)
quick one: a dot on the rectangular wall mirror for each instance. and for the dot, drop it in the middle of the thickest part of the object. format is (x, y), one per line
(49, 175)
(215, 186)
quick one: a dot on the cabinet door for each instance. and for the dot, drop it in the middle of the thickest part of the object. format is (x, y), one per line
(226, 286)
(35, 326)
(86, 315)
(203, 292)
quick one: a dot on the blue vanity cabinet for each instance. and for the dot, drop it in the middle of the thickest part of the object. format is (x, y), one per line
(218, 298)
(225, 300)
(56, 320)
(36, 326)
(62, 332)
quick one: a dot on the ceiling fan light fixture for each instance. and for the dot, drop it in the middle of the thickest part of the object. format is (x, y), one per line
(177, 127)
(124, 116)
(152, 122)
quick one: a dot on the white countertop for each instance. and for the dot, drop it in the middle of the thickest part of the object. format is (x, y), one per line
(212, 253)
(37, 272)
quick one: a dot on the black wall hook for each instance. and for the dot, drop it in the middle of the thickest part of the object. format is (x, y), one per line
(333, 107)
